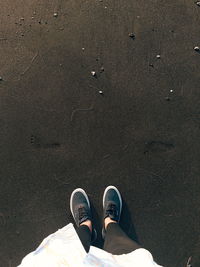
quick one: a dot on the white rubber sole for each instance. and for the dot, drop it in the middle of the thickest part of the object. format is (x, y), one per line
(118, 193)
(72, 195)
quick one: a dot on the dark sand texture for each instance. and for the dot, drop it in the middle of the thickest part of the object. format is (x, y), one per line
(141, 133)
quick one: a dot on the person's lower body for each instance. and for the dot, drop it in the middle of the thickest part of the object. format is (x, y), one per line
(85, 235)
(116, 241)
(81, 212)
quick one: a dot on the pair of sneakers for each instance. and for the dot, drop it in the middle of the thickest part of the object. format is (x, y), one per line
(81, 210)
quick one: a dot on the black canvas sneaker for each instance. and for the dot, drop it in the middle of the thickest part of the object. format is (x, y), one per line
(112, 205)
(80, 209)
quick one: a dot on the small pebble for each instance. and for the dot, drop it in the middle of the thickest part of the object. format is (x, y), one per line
(93, 73)
(132, 35)
(100, 92)
(21, 18)
(151, 65)
(1, 79)
(102, 69)
(83, 48)
(167, 98)
(32, 17)
(171, 91)
(106, 7)
(158, 56)
(55, 14)
(196, 48)
(198, 3)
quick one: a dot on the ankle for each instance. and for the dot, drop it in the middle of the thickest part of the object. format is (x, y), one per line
(107, 221)
(88, 223)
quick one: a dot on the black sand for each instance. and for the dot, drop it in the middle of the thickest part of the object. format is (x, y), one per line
(141, 133)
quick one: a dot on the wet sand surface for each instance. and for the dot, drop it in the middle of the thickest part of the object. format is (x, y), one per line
(94, 93)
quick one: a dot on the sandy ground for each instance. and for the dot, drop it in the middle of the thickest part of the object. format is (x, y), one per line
(135, 124)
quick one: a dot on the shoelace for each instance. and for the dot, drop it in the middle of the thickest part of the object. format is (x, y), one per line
(82, 213)
(111, 209)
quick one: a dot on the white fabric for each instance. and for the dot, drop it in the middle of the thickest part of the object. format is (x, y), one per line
(64, 249)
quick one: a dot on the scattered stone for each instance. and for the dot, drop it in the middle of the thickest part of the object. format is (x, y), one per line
(83, 48)
(93, 73)
(167, 98)
(32, 17)
(151, 65)
(22, 34)
(189, 262)
(106, 7)
(1, 79)
(197, 48)
(171, 91)
(100, 92)
(158, 56)
(21, 19)
(40, 22)
(132, 35)
(55, 14)
(198, 3)
(102, 69)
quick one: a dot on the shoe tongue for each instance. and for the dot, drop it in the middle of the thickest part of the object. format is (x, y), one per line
(112, 216)
(112, 212)
(83, 219)
(83, 215)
